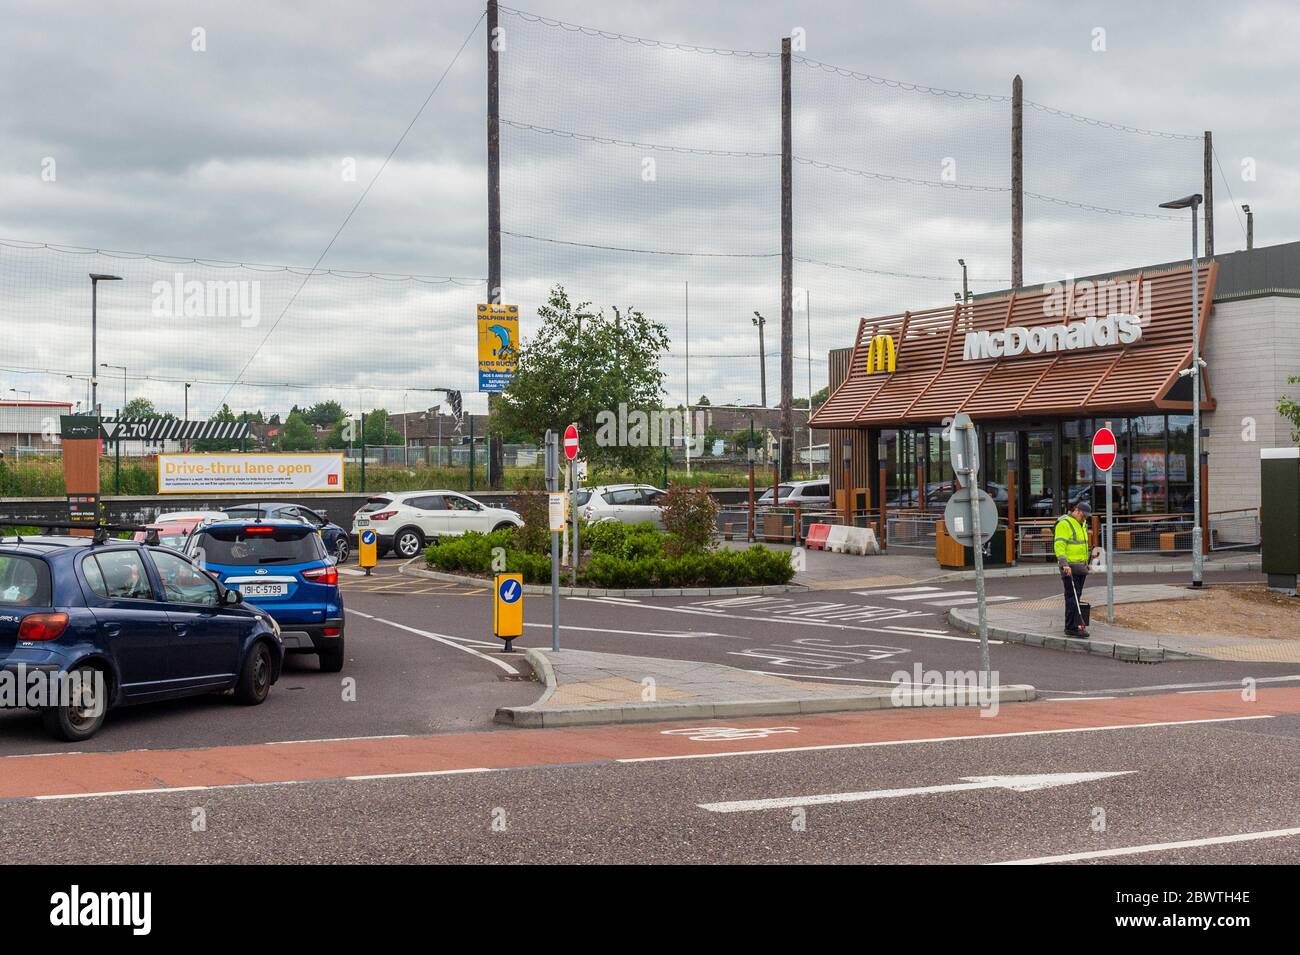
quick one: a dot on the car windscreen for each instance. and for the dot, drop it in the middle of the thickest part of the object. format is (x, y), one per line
(24, 581)
(258, 545)
(374, 504)
(580, 498)
(169, 535)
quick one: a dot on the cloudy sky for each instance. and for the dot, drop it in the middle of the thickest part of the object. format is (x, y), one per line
(636, 174)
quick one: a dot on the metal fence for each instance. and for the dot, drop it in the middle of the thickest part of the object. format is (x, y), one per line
(1230, 530)
(914, 530)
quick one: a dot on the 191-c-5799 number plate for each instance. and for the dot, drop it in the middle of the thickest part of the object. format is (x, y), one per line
(264, 590)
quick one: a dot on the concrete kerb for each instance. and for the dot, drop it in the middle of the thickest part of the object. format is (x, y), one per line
(410, 571)
(968, 621)
(1045, 568)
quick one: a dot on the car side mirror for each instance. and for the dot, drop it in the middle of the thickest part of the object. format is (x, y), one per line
(232, 598)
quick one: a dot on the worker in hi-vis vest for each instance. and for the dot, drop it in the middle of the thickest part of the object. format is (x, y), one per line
(1072, 557)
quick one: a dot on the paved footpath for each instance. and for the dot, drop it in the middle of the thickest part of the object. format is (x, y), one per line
(1039, 623)
(584, 688)
(72, 775)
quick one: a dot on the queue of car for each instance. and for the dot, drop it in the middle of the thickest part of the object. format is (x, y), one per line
(212, 601)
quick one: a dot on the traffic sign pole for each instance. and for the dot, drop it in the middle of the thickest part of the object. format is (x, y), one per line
(969, 442)
(1110, 539)
(552, 485)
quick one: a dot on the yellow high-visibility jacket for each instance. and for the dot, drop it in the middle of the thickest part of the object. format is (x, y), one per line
(1071, 545)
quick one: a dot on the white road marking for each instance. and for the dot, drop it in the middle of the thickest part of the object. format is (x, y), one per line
(937, 739)
(1156, 847)
(334, 739)
(681, 635)
(1020, 784)
(895, 590)
(1075, 699)
(432, 772)
(971, 601)
(440, 638)
(796, 620)
(945, 594)
(168, 789)
(351, 572)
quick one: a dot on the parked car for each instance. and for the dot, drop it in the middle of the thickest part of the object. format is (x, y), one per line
(336, 539)
(627, 503)
(174, 529)
(154, 624)
(280, 566)
(407, 521)
(812, 495)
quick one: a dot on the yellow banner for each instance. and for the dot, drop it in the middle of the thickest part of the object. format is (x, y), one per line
(498, 346)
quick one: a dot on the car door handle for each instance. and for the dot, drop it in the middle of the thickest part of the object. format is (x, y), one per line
(178, 627)
(112, 629)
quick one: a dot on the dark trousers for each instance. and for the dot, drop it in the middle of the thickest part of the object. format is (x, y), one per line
(1073, 585)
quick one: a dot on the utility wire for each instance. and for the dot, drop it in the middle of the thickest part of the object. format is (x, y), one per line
(357, 205)
(1235, 208)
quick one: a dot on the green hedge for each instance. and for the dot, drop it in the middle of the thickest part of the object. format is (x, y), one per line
(623, 557)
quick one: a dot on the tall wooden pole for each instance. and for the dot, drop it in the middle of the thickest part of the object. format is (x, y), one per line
(1017, 183)
(787, 271)
(496, 453)
(1208, 191)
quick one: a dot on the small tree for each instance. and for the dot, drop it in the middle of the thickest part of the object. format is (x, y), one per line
(690, 516)
(1289, 408)
(297, 435)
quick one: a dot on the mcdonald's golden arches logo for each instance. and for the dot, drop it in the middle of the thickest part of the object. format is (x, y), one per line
(880, 354)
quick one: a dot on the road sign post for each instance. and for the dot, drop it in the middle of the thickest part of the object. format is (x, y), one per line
(367, 549)
(1104, 452)
(965, 443)
(508, 608)
(571, 452)
(552, 486)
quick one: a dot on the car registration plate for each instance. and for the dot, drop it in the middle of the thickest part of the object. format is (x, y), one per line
(362, 521)
(264, 590)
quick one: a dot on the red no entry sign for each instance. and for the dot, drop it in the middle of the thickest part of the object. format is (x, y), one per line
(571, 442)
(1104, 449)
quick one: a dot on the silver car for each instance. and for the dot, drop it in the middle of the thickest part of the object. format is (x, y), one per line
(809, 494)
(627, 503)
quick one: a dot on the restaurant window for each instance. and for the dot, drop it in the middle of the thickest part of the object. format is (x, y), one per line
(1179, 467)
(1147, 471)
(941, 481)
(1076, 463)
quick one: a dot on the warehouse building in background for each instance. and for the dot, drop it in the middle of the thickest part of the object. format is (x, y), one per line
(1039, 369)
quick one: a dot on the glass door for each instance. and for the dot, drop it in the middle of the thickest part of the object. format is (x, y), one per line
(1038, 475)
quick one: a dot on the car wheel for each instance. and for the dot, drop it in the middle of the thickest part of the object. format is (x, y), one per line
(341, 551)
(408, 542)
(503, 526)
(332, 662)
(84, 713)
(255, 678)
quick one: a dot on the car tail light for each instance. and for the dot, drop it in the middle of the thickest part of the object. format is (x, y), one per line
(332, 631)
(259, 529)
(322, 575)
(382, 515)
(42, 626)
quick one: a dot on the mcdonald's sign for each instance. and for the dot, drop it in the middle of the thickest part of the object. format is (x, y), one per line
(880, 354)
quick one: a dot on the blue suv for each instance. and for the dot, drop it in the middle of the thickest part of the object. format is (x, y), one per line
(282, 567)
(122, 622)
(336, 539)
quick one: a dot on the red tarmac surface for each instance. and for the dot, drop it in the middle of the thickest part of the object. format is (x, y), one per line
(70, 774)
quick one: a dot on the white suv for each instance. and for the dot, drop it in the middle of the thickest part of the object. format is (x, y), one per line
(628, 503)
(409, 520)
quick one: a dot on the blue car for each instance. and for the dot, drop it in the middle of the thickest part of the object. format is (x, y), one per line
(282, 567)
(336, 539)
(126, 623)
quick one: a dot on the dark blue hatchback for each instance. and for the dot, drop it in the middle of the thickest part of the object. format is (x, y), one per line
(282, 567)
(144, 621)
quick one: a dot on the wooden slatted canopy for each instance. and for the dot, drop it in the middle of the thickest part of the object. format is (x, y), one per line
(933, 379)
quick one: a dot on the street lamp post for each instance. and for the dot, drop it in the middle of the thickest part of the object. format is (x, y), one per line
(1250, 227)
(122, 369)
(1193, 202)
(760, 321)
(187, 416)
(95, 279)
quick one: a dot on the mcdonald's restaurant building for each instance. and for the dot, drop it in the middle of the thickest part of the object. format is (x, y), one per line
(1040, 369)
